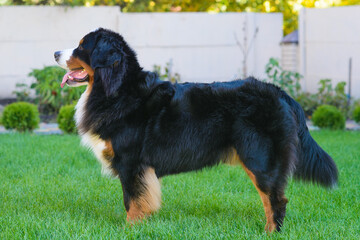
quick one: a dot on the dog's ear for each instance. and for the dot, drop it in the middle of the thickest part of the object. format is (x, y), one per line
(110, 65)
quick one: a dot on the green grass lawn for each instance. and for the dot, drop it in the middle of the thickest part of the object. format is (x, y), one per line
(52, 188)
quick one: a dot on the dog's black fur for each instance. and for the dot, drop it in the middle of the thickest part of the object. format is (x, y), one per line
(176, 128)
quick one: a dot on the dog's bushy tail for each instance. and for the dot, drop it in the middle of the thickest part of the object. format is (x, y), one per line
(314, 164)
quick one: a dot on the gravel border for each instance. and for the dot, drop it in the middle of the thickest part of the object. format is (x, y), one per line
(52, 128)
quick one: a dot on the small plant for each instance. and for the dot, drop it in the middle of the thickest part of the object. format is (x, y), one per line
(333, 96)
(309, 102)
(287, 80)
(50, 96)
(22, 92)
(326, 95)
(168, 75)
(327, 116)
(356, 114)
(21, 116)
(66, 120)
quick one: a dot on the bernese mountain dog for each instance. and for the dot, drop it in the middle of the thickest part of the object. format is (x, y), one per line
(142, 128)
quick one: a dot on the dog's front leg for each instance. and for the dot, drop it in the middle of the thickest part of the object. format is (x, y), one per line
(142, 192)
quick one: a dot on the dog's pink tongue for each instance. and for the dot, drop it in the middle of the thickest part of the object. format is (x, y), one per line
(78, 74)
(65, 78)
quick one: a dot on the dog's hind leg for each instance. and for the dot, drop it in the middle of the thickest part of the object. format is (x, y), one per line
(269, 175)
(142, 194)
(274, 203)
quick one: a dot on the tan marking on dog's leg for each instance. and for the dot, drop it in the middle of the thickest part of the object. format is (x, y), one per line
(231, 158)
(150, 199)
(134, 214)
(265, 198)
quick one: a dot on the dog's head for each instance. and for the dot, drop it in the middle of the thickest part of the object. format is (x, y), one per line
(102, 58)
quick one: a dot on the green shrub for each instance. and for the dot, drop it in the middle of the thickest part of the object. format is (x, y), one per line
(326, 95)
(309, 102)
(66, 120)
(288, 81)
(21, 116)
(22, 93)
(49, 95)
(167, 74)
(327, 116)
(356, 114)
(335, 96)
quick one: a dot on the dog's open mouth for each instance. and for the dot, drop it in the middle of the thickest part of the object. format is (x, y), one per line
(74, 76)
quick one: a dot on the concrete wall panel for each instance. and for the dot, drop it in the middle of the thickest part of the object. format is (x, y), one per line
(201, 46)
(328, 39)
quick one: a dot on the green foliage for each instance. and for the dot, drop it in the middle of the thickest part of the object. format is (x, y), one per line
(327, 116)
(287, 80)
(326, 95)
(167, 75)
(308, 102)
(22, 93)
(21, 116)
(356, 114)
(65, 119)
(333, 96)
(50, 96)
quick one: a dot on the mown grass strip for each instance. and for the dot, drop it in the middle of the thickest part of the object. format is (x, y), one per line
(52, 188)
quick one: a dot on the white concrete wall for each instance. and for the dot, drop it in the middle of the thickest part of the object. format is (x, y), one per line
(29, 36)
(328, 38)
(202, 46)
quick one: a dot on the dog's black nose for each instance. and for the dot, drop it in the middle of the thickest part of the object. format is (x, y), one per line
(57, 55)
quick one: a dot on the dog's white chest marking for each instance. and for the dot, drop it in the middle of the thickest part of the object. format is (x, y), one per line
(89, 139)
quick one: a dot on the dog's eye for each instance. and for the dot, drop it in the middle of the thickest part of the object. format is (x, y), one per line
(80, 47)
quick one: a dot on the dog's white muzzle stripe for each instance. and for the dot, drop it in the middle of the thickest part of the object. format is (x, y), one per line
(64, 57)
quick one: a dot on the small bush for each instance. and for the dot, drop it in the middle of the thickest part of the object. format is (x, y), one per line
(356, 114)
(326, 95)
(21, 116)
(66, 120)
(287, 80)
(167, 74)
(309, 102)
(23, 93)
(49, 95)
(327, 116)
